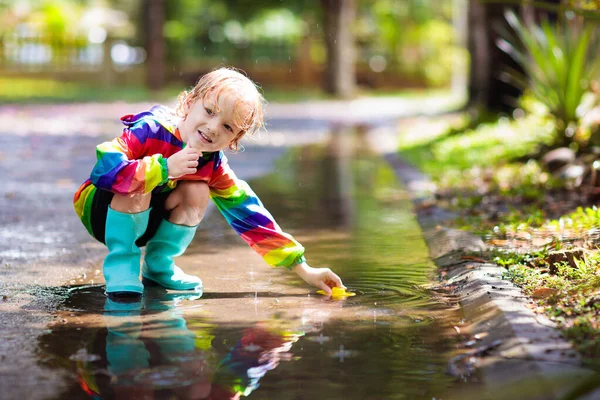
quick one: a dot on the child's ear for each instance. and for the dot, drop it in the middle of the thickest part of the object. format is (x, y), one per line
(187, 106)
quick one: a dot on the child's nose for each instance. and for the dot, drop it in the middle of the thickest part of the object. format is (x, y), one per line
(212, 127)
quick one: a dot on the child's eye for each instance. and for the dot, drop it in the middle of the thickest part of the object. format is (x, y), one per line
(208, 111)
(228, 128)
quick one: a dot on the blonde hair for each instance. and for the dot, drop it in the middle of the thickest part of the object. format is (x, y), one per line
(227, 78)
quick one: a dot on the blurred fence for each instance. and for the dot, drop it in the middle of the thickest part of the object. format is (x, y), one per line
(114, 62)
(73, 59)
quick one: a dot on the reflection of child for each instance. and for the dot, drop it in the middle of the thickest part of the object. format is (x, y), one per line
(258, 351)
(151, 186)
(149, 353)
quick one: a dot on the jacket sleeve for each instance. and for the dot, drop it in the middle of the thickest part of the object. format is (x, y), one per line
(246, 214)
(122, 167)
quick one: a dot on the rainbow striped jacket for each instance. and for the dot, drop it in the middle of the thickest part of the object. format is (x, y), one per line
(136, 162)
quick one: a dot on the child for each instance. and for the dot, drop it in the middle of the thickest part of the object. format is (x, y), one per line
(150, 187)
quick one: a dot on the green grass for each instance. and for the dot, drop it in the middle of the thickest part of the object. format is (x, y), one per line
(465, 155)
(23, 90)
(488, 144)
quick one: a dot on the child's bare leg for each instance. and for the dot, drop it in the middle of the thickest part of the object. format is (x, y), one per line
(188, 203)
(131, 204)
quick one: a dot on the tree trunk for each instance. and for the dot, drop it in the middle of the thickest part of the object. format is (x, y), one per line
(488, 62)
(154, 21)
(340, 72)
(480, 71)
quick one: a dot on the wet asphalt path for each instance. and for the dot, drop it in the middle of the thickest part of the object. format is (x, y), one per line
(45, 153)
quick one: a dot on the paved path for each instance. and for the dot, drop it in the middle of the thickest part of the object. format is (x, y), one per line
(46, 151)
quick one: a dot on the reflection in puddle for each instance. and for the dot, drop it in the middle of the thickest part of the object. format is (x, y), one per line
(147, 348)
(263, 332)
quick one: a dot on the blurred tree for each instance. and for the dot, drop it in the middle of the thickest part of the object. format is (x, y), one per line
(340, 75)
(216, 23)
(413, 40)
(338, 18)
(154, 22)
(486, 89)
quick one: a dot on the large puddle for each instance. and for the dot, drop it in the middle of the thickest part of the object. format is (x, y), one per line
(262, 332)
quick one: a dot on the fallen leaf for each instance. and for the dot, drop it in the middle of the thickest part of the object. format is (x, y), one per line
(543, 293)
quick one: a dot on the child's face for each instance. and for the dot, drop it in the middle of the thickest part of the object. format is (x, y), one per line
(204, 128)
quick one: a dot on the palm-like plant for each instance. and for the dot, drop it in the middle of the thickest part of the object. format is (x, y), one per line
(560, 63)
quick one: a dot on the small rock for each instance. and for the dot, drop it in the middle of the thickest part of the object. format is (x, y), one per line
(558, 158)
(568, 256)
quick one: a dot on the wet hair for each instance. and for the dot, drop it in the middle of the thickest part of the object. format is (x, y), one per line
(249, 103)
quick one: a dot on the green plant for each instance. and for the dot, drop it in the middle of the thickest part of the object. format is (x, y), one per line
(559, 62)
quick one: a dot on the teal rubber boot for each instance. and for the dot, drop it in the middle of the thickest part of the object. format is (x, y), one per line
(122, 264)
(170, 241)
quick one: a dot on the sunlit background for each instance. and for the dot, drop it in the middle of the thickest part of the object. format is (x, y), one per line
(62, 49)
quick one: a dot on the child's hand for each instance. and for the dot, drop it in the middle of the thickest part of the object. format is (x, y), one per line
(323, 278)
(183, 162)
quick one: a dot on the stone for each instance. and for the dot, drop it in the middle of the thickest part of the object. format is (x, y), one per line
(558, 158)
(568, 256)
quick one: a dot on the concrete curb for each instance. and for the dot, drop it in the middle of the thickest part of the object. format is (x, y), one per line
(533, 361)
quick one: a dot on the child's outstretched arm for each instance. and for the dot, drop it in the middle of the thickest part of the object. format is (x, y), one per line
(244, 211)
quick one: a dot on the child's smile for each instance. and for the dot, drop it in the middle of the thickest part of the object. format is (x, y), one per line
(204, 137)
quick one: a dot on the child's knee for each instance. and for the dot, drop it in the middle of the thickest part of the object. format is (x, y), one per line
(196, 194)
(190, 195)
(130, 203)
(187, 204)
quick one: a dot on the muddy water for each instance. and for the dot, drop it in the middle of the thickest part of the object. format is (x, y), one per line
(262, 332)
